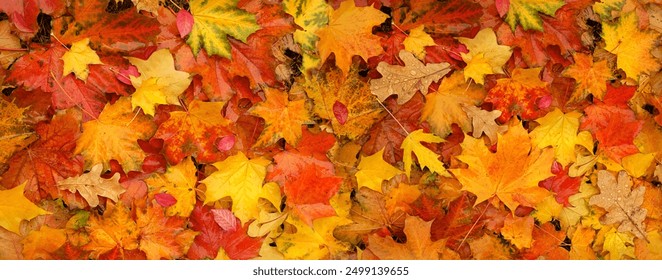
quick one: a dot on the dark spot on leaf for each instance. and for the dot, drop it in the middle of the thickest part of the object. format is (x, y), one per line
(43, 35)
(651, 109)
(116, 7)
(567, 244)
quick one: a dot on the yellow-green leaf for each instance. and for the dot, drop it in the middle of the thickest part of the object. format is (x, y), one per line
(417, 41)
(310, 15)
(631, 46)
(213, 21)
(178, 181)
(525, 12)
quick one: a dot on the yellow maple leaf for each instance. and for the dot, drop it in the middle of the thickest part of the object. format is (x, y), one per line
(417, 41)
(426, 157)
(283, 118)
(114, 135)
(638, 164)
(90, 185)
(240, 179)
(349, 33)
(400, 198)
(618, 245)
(151, 6)
(485, 55)
(651, 250)
(42, 243)
(163, 237)
(419, 246)
(78, 57)
(590, 77)
(582, 238)
(158, 83)
(631, 46)
(178, 181)
(373, 170)
(314, 242)
(14, 208)
(511, 174)
(518, 230)
(310, 15)
(445, 106)
(114, 229)
(560, 131)
(547, 209)
(329, 87)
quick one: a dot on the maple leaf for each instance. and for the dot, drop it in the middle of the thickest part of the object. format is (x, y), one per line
(240, 179)
(426, 157)
(14, 132)
(622, 203)
(312, 242)
(158, 83)
(485, 55)
(42, 243)
(518, 230)
(525, 12)
(49, 159)
(308, 193)
(368, 213)
(489, 247)
(114, 135)
(349, 33)
(416, 42)
(310, 15)
(213, 21)
(163, 237)
(418, 246)
(581, 244)
(78, 57)
(590, 77)
(483, 122)
(203, 125)
(372, 170)
(11, 45)
(16, 208)
(115, 229)
(178, 181)
(325, 89)
(450, 17)
(406, 80)
(91, 185)
(283, 118)
(511, 174)
(445, 106)
(618, 244)
(631, 46)
(560, 131)
(122, 31)
(519, 94)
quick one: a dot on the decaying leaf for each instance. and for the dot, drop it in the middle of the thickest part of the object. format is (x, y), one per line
(90, 185)
(406, 80)
(622, 203)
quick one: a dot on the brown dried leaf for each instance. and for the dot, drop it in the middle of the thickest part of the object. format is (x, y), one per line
(623, 205)
(484, 122)
(91, 185)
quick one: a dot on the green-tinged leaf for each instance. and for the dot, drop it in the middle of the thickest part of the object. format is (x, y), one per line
(525, 12)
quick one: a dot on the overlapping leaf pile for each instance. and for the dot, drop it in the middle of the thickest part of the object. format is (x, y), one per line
(301, 129)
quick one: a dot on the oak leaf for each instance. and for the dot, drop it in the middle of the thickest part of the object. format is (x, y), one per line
(178, 181)
(560, 131)
(484, 122)
(214, 21)
(589, 75)
(91, 185)
(418, 246)
(310, 15)
(622, 203)
(631, 46)
(581, 240)
(489, 247)
(426, 157)
(158, 83)
(283, 117)
(114, 135)
(406, 80)
(485, 55)
(78, 57)
(240, 179)
(525, 12)
(445, 106)
(16, 208)
(309, 191)
(511, 174)
(349, 33)
(373, 170)
(194, 132)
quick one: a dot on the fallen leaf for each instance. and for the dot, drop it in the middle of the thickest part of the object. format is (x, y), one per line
(631, 46)
(485, 56)
(560, 131)
(16, 208)
(373, 170)
(426, 157)
(91, 185)
(416, 42)
(622, 203)
(525, 12)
